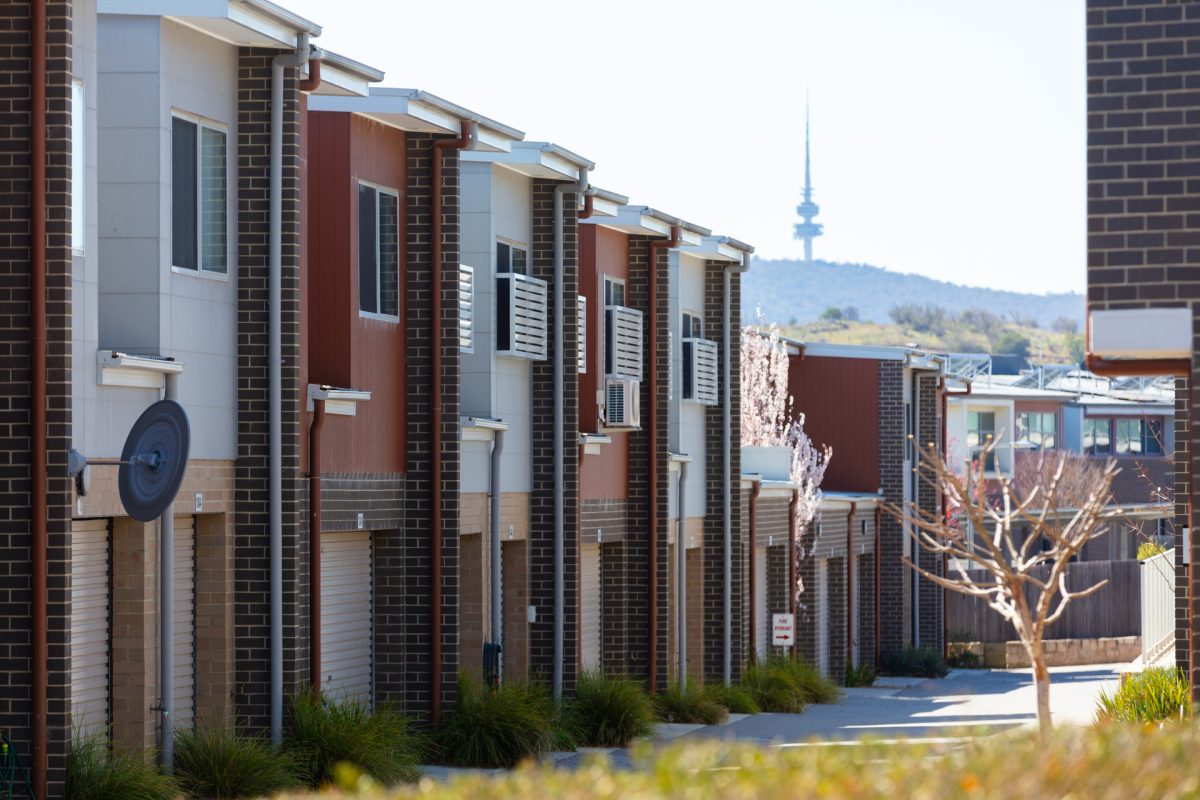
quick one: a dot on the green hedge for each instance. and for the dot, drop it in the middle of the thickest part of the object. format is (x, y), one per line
(1112, 762)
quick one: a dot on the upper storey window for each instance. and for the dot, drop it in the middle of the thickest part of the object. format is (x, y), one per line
(200, 196)
(378, 251)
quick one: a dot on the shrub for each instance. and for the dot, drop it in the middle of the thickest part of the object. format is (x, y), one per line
(917, 662)
(1149, 550)
(1156, 694)
(608, 712)
(689, 702)
(734, 698)
(497, 728)
(862, 675)
(774, 689)
(217, 763)
(321, 733)
(815, 686)
(96, 773)
(959, 656)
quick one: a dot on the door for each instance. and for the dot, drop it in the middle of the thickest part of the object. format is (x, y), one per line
(90, 625)
(347, 624)
(762, 617)
(591, 604)
(185, 622)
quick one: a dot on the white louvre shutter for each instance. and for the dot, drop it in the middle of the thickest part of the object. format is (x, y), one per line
(591, 603)
(346, 614)
(762, 622)
(90, 601)
(185, 622)
(823, 616)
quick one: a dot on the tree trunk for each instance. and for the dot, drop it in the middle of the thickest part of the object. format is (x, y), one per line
(1041, 682)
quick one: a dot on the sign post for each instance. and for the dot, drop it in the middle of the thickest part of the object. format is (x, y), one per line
(783, 630)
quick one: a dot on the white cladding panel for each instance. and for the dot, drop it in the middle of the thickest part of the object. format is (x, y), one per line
(185, 623)
(591, 605)
(90, 626)
(762, 622)
(347, 624)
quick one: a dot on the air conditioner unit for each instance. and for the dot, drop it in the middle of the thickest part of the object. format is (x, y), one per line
(700, 376)
(622, 404)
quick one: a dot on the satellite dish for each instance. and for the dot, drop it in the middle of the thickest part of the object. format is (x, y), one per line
(154, 460)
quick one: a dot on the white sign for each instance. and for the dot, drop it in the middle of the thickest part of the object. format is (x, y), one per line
(783, 630)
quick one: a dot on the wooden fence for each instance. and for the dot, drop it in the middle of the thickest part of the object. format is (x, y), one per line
(1114, 610)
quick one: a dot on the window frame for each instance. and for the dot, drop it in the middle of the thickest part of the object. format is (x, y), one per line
(381, 189)
(220, 127)
(1091, 450)
(1025, 429)
(512, 244)
(607, 281)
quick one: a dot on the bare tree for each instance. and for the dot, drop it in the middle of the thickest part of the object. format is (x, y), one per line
(1023, 542)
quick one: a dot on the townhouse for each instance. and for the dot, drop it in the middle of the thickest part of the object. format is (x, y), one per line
(874, 406)
(1048, 412)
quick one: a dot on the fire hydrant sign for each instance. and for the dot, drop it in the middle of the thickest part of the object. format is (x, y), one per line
(783, 630)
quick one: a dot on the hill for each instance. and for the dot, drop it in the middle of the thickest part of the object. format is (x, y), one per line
(790, 292)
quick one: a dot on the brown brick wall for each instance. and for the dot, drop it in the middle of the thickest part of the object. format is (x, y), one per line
(714, 537)
(542, 496)
(515, 570)
(837, 618)
(15, 355)
(866, 608)
(894, 614)
(932, 628)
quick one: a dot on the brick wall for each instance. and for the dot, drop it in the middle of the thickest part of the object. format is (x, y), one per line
(866, 608)
(379, 498)
(714, 536)
(807, 612)
(1144, 188)
(404, 617)
(894, 617)
(514, 557)
(694, 597)
(778, 591)
(543, 495)
(605, 521)
(1182, 459)
(837, 618)
(16, 270)
(252, 566)
(932, 627)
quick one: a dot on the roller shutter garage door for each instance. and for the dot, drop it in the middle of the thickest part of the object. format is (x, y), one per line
(346, 615)
(90, 625)
(591, 605)
(185, 622)
(762, 622)
(823, 616)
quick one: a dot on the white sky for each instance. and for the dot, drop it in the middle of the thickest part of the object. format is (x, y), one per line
(948, 135)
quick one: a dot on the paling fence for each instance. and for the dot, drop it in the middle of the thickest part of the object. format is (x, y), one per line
(1158, 605)
(1114, 610)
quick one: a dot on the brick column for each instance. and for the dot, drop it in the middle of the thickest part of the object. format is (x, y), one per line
(932, 627)
(891, 477)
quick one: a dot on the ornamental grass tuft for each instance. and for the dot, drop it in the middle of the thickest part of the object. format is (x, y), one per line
(96, 772)
(498, 728)
(691, 703)
(1153, 695)
(214, 763)
(608, 712)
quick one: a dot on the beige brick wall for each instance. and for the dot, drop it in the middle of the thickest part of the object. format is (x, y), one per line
(135, 600)
(515, 558)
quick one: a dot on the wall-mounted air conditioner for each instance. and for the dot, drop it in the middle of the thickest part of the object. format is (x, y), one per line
(520, 316)
(700, 373)
(622, 405)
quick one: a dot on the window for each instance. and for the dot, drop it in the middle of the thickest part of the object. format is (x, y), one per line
(693, 326)
(1035, 430)
(1097, 435)
(614, 292)
(1138, 437)
(981, 428)
(199, 196)
(378, 251)
(78, 168)
(614, 295)
(510, 258)
(1153, 438)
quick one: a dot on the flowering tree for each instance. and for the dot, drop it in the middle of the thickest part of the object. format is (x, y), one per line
(768, 420)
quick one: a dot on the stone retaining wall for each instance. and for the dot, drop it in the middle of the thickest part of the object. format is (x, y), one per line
(1059, 652)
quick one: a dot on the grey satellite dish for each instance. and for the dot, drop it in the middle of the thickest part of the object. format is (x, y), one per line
(152, 463)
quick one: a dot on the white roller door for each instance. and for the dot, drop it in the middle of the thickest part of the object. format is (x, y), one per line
(762, 621)
(90, 630)
(346, 614)
(591, 604)
(185, 622)
(823, 616)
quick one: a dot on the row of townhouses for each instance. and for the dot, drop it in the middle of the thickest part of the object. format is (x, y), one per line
(452, 407)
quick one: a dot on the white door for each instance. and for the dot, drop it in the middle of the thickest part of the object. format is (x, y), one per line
(762, 621)
(346, 615)
(591, 604)
(90, 630)
(185, 622)
(823, 616)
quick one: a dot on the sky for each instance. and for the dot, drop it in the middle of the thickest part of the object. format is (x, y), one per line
(948, 136)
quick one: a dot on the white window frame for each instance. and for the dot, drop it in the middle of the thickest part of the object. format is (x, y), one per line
(230, 222)
(381, 189)
(692, 334)
(605, 280)
(513, 244)
(78, 167)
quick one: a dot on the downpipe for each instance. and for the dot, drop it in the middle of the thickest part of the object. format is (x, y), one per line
(294, 60)
(166, 619)
(681, 577)
(578, 188)
(314, 546)
(494, 530)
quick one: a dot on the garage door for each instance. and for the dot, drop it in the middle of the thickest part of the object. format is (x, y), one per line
(823, 616)
(90, 626)
(591, 602)
(762, 620)
(185, 622)
(346, 614)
